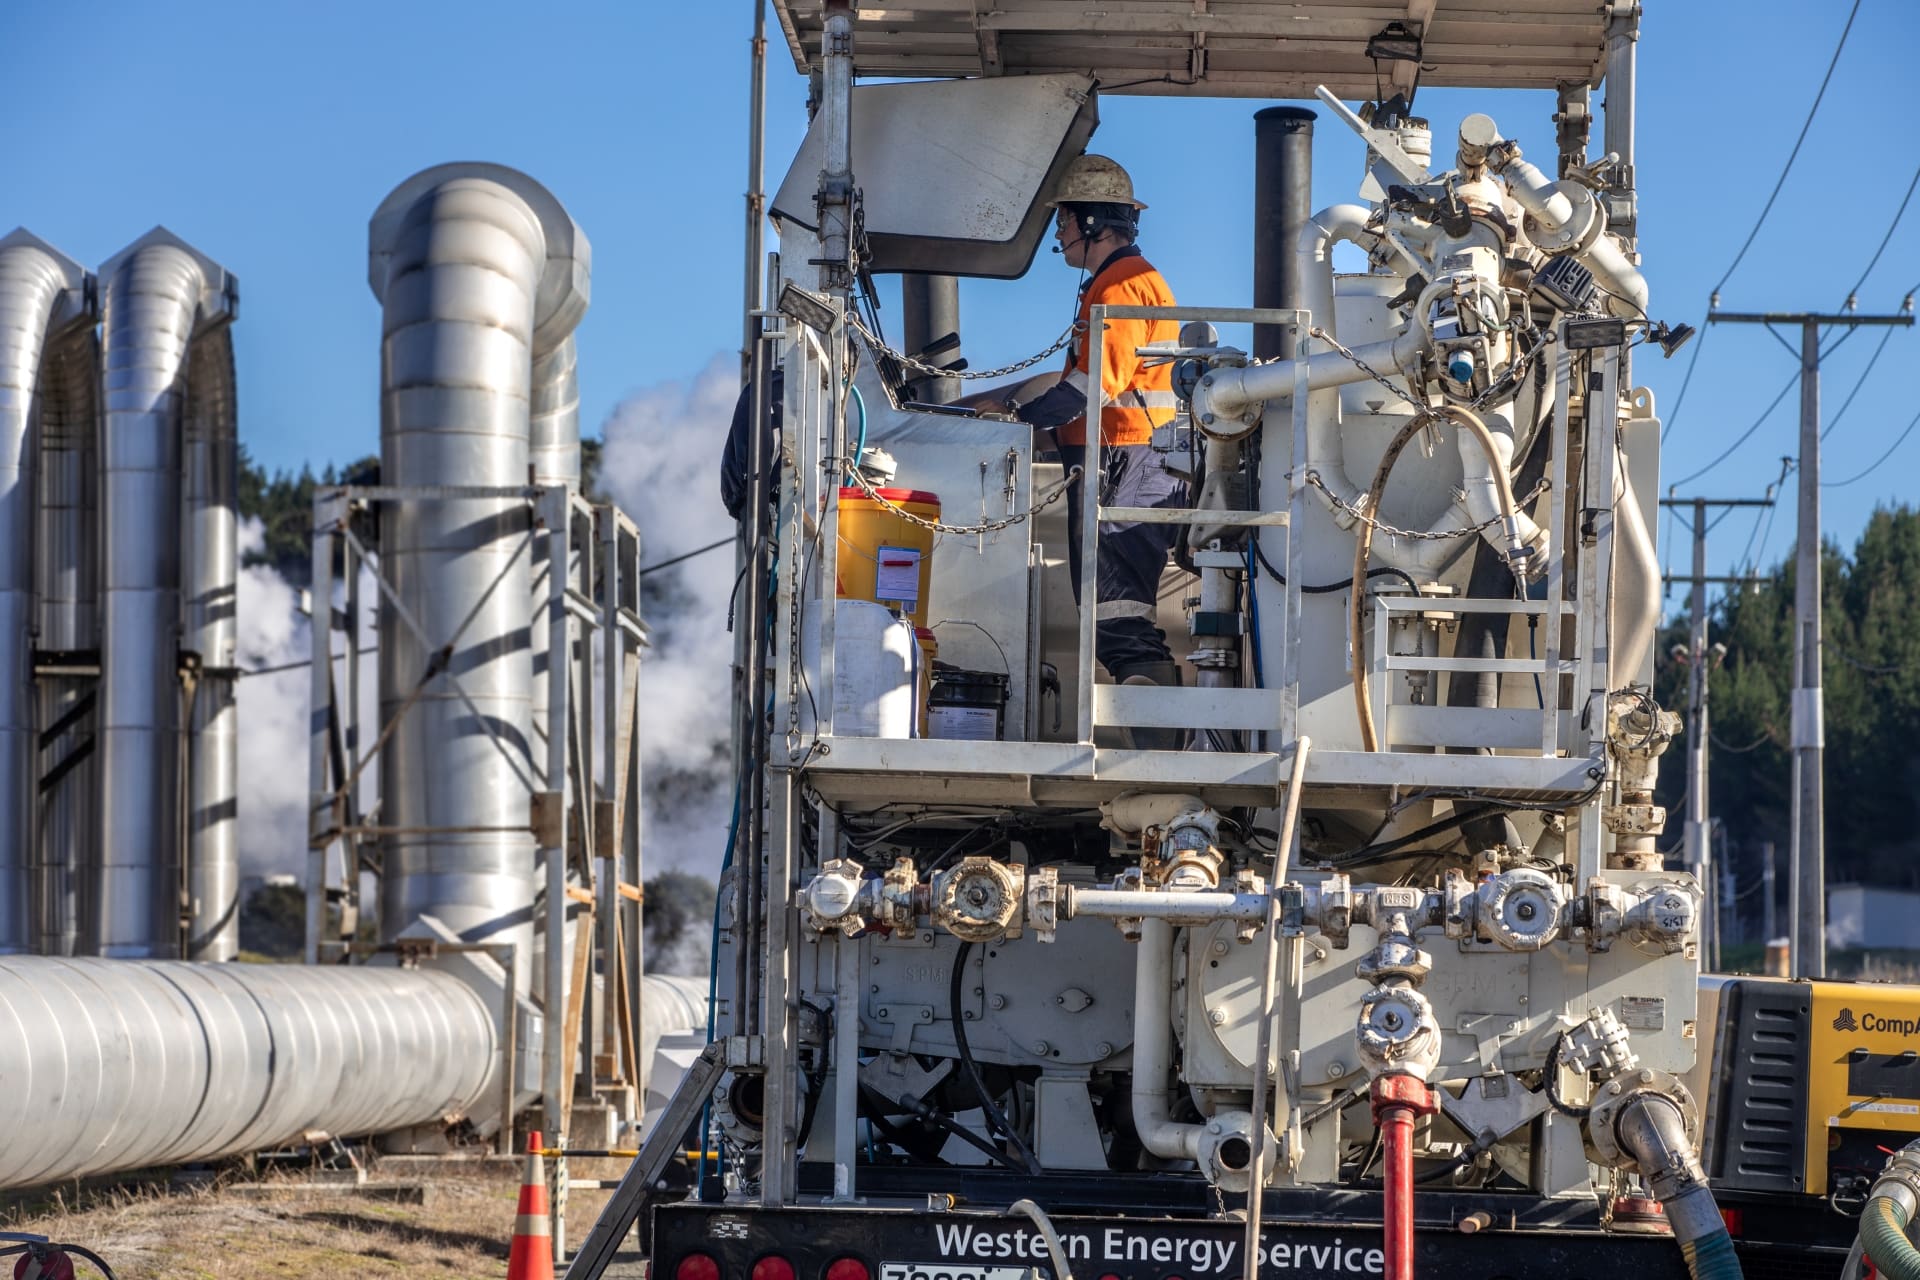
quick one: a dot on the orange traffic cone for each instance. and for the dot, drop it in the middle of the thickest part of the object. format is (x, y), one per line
(531, 1255)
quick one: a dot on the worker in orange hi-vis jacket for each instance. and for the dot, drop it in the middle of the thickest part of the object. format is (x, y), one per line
(1098, 218)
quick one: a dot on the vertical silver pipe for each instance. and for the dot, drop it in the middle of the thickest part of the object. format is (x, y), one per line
(66, 585)
(322, 813)
(36, 284)
(559, 1049)
(478, 269)
(210, 582)
(157, 294)
(756, 180)
(835, 198)
(553, 455)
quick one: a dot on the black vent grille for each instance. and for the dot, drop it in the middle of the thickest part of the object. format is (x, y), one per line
(1757, 1137)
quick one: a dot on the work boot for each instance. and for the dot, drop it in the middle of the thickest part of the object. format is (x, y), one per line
(1165, 675)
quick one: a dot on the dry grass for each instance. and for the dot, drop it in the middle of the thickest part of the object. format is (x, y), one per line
(276, 1227)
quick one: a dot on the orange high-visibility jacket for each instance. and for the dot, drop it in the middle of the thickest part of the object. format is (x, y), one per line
(1138, 399)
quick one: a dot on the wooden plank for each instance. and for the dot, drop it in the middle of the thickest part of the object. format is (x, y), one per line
(576, 1005)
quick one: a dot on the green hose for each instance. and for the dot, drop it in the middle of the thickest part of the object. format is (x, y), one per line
(1883, 1229)
(1711, 1257)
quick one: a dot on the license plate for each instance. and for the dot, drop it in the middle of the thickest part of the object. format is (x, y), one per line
(950, 1271)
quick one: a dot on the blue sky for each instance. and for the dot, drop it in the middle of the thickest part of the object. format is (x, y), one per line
(265, 134)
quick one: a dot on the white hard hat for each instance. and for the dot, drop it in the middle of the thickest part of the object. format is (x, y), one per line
(1092, 179)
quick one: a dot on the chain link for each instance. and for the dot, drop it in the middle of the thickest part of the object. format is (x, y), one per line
(933, 370)
(1366, 368)
(1505, 382)
(1420, 535)
(1051, 495)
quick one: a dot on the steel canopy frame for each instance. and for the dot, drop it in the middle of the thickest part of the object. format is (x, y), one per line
(1224, 48)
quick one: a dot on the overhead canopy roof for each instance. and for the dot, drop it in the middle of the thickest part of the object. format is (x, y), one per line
(1219, 48)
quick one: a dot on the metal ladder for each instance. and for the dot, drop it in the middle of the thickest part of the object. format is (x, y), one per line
(636, 1188)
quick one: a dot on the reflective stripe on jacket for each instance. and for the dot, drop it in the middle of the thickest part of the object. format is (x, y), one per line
(1138, 398)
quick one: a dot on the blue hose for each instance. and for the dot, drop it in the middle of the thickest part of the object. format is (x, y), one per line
(1253, 610)
(860, 403)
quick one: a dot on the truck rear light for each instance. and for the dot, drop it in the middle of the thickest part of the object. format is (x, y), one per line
(848, 1269)
(773, 1267)
(697, 1266)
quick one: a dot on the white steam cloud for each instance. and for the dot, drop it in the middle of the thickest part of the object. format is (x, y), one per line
(272, 711)
(661, 464)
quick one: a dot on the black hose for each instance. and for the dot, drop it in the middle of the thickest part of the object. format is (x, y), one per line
(1345, 584)
(1553, 1085)
(996, 1119)
(1376, 852)
(921, 1111)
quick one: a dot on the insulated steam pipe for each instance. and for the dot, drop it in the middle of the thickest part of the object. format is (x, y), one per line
(211, 579)
(479, 271)
(120, 1064)
(158, 298)
(41, 292)
(67, 585)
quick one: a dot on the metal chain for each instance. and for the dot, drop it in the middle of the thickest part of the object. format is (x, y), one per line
(797, 567)
(1419, 535)
(1367, 369)
(921, 366)
(1051, 495)
(1507, 381)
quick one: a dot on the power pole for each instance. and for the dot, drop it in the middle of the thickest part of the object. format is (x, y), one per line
(1807, 891)
(1700, 663)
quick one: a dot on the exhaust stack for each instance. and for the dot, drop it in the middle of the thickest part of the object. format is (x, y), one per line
(482, 275)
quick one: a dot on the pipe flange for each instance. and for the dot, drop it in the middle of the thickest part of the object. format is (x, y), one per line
(1580, 228)
(1520, 909)
(1899, 1181)
(1227, 1150)
(1396, 1033)
(833, 898)
(1614, 1097)
(978, 899)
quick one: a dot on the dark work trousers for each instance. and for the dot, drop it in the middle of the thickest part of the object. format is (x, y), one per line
(1132, 556)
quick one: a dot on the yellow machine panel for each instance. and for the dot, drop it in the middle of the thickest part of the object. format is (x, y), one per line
(1807, 1084)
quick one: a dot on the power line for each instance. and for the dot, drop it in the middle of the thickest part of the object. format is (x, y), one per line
(1714, 300)
(1887, 239)
(1875, 464)
(1744, 435)
(1765, 413)
(1795, 153)
(1859, 382)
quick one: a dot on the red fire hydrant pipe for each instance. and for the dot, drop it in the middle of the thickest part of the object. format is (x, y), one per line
(1398, 1100)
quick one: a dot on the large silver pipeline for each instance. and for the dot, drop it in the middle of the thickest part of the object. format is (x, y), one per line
(210, 584)
(119, 1064)
(158, 297)
(66, 583)
(478, 269)
(42, 293)
(553, 455)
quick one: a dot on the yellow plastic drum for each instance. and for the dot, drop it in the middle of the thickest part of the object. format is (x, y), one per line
(885, 557)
